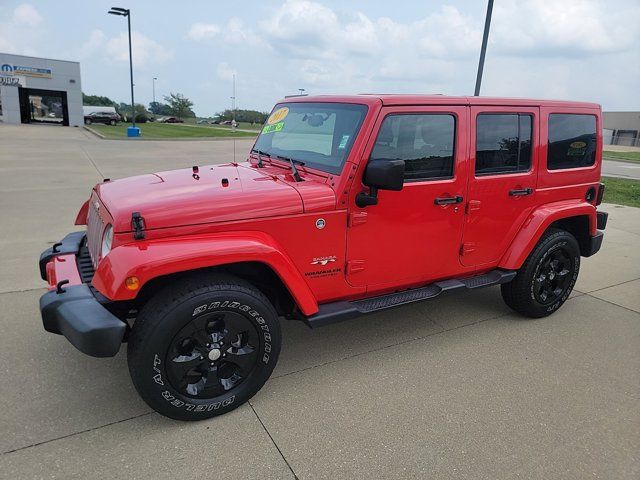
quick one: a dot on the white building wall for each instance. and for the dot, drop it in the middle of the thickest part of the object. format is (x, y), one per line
(65, 76)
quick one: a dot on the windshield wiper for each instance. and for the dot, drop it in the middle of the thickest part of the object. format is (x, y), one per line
(260, 153)
(294, 170)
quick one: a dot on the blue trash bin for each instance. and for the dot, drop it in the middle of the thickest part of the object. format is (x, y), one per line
(133, 132)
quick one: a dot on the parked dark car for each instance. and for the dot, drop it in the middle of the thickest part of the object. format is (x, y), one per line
(173, 120)
(108, 118)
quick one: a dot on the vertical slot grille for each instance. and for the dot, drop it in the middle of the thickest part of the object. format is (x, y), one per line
(94, 232)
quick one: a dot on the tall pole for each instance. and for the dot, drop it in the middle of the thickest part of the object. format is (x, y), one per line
(133, 105)
(233, 104)
(154, 90)
(483, 49)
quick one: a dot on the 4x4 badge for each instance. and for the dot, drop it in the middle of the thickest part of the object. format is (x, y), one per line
(323, 260)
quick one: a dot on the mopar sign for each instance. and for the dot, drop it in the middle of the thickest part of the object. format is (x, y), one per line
(8, 69)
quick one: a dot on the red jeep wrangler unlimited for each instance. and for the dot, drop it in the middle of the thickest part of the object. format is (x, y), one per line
(345, 205)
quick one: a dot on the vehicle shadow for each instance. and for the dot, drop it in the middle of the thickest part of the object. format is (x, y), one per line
(305, 348)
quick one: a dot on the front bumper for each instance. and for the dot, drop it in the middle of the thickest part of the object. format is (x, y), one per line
(71, 309)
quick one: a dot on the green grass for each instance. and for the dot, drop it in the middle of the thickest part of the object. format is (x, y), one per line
(632, 157)
(622, 191)
(167, 130)
(243, 126)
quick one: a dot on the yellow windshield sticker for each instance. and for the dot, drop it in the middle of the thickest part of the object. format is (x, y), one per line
(578, 145)
(273, 128)
(277, 116)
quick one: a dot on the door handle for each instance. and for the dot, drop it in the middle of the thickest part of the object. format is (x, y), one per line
(520, 193)
(448, 200)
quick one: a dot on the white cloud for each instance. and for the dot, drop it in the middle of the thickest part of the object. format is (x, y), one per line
(237, 33)
(203, 31)
(95, 42)
(225, 72)
(18, 34)
(567, 28)
(27, 15)
(145, 50)
(542, 48)
(330, 51)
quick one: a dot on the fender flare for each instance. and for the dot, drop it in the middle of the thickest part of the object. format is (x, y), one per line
(538, 222)
(155, 258)
(81, 218)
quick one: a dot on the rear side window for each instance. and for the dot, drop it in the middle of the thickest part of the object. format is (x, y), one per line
(572, 141)
(425, 142)
(503, 143)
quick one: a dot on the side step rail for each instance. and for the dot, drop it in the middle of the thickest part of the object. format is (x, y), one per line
(344, 310)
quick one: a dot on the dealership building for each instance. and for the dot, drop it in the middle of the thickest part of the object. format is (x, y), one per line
(40, 90)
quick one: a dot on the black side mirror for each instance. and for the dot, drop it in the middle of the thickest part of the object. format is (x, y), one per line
(381, 174)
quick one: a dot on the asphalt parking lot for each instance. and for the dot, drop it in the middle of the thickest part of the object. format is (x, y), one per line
(457, 387)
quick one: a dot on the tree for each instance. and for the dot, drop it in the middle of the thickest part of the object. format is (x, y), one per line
(248, 116)
(180, 105)
(124, 109)
(97, 101)
(158, 108)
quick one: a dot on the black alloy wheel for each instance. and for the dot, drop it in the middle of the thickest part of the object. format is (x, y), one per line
(546, 278)
(552, 277)
(212, 354)
(203, 345)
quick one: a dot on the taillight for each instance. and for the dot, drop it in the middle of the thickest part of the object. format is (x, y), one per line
(600, 196)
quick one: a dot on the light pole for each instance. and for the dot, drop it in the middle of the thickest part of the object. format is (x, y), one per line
(233, 102)
(301, 90)
(125, 12)
(483, 49)
(154, 90)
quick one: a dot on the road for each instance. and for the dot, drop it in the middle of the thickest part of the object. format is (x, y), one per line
(459, 387)
(612, 168)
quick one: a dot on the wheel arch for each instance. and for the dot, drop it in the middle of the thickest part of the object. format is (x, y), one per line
(576, 217)
(258, 274)
(253, 256)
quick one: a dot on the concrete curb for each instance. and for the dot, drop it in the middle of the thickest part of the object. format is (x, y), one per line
(99, 135)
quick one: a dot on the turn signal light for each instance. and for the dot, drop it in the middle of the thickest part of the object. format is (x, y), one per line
(132, 283)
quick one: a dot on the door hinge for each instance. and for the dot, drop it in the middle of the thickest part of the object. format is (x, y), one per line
(357, 218)
(473, 206)
(467, 248)
(355, 266)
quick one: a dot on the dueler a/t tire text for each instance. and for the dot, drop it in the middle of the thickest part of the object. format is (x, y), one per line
(547, 277)
(203, 346)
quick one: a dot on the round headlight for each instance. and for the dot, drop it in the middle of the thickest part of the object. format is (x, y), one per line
(107, 239)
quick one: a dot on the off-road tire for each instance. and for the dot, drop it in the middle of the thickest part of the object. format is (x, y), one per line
(520, 294)
(186, 304)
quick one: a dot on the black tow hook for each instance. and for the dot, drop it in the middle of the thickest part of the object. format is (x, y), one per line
(59, 285)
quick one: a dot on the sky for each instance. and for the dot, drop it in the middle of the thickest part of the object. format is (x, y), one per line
(565, 49)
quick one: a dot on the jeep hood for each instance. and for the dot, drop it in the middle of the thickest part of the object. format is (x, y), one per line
(216, 193)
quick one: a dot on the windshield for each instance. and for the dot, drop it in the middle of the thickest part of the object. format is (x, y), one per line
(318, 134)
